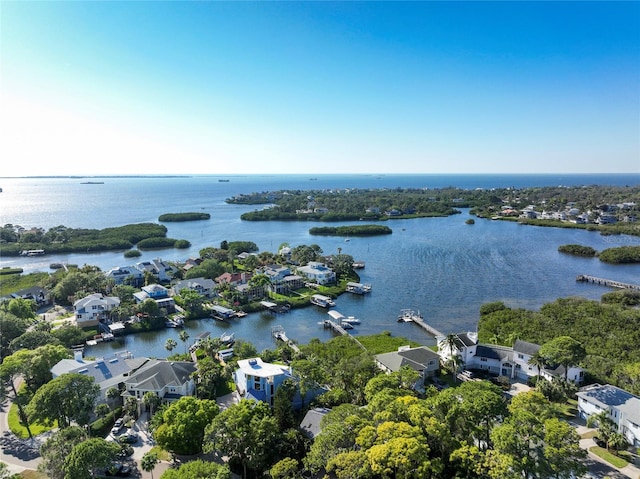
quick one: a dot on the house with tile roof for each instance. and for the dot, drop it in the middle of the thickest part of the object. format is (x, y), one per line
(622, 407)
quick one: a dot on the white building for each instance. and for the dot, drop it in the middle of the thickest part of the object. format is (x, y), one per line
(90, 310)
(622, 406)
(317, 272)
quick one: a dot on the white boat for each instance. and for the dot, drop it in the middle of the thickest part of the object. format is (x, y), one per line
(346, 325)
(408, 315)
(322, 301)
(351, 320)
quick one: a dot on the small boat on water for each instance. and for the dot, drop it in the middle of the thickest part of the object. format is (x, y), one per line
(176, 322)
(346, 325)
(351, 320)
(408, 315)
(241, 314)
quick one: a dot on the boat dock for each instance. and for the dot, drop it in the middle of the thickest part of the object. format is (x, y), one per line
(275, 308)
(279, 334)
(358, 288)
(585, 278)
(327, 323)
(411, 316)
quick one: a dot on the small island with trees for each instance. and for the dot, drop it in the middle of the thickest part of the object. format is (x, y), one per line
(178, 217)
(356, 230)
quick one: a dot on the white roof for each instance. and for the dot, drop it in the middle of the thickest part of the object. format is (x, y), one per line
(256, 367)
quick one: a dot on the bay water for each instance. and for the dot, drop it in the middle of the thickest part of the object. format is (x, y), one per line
(441, 266)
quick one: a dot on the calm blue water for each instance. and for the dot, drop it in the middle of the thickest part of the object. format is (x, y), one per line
(441, 266)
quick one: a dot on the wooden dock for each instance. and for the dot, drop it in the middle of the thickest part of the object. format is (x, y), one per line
(409, 316)
(585, 278)
(279, 334)
(327, 323)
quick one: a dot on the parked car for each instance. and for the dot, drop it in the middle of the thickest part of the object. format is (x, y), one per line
(117, 426)
(118, 469)
(128, 438)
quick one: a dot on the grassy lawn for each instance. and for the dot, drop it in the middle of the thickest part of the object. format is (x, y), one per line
(569, 409)
(162, 454)
(589, 434)
(29, 474)
(16, 282)
(607, 456)
(21, 431)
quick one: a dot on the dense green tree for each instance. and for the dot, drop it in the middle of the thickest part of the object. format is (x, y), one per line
(88, 457)
(198, 469)
(69, 335)
(22, 308)
(287, 468)
(563, 350)
(67, 399)
(183, 424)
(32, 339)
(11, 327)
(56, 449)
(246, 432)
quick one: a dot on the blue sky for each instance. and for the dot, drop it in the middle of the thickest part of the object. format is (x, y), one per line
(116, 87)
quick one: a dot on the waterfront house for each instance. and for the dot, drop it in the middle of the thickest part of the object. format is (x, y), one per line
(234, 278)
(157, 267)
(258, 380)
(159, 294)
(317, 272)
(205, 287)
(126, 274)
(623, 408)
(170, 380)
(108, 371)
(92, 309)
(512, 362)
(421, 359)
(276, 272)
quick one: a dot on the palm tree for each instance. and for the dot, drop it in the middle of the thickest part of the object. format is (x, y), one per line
(451, 343)
(453, 364)
(151, 400)
(170, 344)
(538, 361)
(112, 395)
(149, 461)
(184, 337)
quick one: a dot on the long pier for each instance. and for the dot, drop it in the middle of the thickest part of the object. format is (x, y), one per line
(327, 323)
(278, 333)
(585, 278)
(410, 316)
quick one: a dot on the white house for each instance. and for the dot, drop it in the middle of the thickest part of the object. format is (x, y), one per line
(258, 380)
(203, 286)
(622, 406)
(161, 270)
(512, 362)
(126, 274)
(317, 272)
(90, 310)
